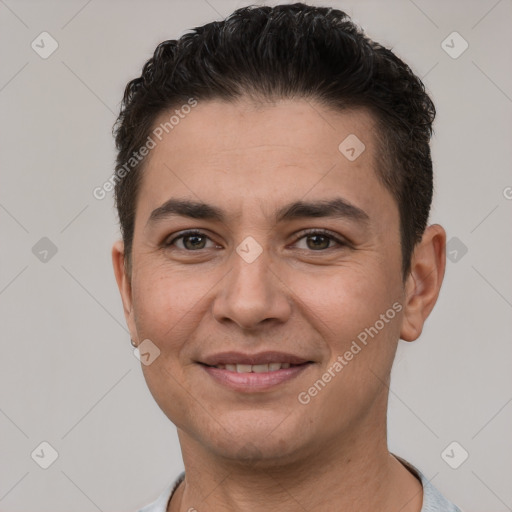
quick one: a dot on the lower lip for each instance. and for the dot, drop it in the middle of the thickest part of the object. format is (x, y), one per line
(250, 382)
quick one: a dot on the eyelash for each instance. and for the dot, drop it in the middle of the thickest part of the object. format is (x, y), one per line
(304, 234)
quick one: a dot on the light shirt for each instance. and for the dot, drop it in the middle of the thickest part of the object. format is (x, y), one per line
(433, 500)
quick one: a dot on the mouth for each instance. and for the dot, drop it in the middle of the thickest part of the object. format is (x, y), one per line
(239, 359)
(254, 373)
(255, 368)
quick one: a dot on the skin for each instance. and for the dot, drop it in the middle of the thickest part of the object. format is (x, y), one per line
(304, 295)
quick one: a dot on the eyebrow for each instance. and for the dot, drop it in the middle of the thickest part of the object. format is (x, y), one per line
(334, 208)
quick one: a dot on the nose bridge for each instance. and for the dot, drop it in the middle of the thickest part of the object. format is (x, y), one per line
(251, 292)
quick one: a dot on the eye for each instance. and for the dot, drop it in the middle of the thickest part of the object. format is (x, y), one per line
(320, 240)
(193, 240)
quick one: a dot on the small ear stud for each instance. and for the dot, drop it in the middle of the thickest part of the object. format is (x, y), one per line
(133, 343)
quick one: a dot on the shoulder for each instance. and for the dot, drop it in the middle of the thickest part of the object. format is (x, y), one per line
(433, 500)
(160, 504)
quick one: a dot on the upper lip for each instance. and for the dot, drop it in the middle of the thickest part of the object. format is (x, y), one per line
(252, 359)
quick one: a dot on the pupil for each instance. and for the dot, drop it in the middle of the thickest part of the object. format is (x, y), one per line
(321, 237)
(196, 237)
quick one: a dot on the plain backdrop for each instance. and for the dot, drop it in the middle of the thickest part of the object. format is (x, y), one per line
(68, 375)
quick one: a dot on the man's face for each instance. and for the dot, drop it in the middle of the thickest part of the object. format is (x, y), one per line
(256, 281)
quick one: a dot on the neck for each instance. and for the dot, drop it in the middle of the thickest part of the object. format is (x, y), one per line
(356, 474)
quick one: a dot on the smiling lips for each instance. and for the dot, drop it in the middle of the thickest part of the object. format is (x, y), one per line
(253, 368)
(262, 362)
(253, 372)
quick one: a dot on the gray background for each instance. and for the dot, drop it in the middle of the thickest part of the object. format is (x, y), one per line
(68, 374)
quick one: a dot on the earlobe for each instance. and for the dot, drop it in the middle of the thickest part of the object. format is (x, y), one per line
(424, 281)
(124, 285)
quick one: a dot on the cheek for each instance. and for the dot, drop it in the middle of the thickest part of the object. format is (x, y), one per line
(347, 301)
(167, 308)
(357, 312)
(360, 342)
(166, 302)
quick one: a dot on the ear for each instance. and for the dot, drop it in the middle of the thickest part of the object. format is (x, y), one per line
(124, 285)
(423, 284)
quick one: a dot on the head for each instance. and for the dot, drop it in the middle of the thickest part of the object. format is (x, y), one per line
(273, 122)
(289, 51)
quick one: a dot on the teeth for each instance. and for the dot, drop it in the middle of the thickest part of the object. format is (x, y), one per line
(260, 368)
(255, 368)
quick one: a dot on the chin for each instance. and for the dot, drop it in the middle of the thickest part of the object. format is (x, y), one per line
(254, 441)
(259, 455)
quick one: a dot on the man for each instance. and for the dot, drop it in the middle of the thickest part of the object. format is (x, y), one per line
(273, 184)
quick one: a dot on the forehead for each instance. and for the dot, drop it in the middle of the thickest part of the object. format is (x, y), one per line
(305, 127)
(268, 152)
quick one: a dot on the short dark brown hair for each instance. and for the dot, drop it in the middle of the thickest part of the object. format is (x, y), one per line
(288, 51)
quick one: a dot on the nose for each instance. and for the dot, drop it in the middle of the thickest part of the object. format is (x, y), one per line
(252, 294)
